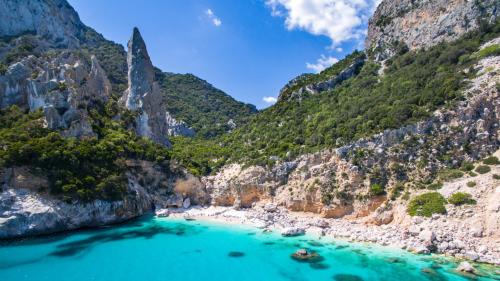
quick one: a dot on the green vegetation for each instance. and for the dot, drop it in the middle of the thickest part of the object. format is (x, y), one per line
(332, 71)
(492, 160)
(461, 198)
(206, 109)
(76, 169)
(483, 169)
(492, 50)
(427, 204)
(471, 183)
(377, 190)
(467, 166)
(414, 85)
(496, 176)
(3, 69)
(435, 186)
(449, 174)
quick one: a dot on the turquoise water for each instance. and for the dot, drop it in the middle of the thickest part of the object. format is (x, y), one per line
(153, 249)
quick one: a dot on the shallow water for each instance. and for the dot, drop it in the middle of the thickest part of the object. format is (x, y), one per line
(163, 249)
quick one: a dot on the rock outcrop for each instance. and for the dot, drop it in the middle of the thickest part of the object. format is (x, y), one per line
(53, 20)
(315, 88)
(64, 86)
(143, 94)
(424, 23)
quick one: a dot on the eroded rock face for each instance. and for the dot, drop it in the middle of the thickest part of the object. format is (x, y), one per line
(53, 20)
(64, 86)
(26, 207)
(143, 94)
(424, 23)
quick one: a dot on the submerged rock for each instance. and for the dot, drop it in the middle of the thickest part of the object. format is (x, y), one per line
(236, 254)
(347, 277)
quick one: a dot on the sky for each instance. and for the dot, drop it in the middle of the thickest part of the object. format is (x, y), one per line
(248, 48)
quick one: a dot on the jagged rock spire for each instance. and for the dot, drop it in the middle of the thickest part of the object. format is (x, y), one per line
(143, 93)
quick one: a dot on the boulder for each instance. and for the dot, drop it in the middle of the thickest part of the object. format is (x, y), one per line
(292, 231)
(186, 203)
(466, 267)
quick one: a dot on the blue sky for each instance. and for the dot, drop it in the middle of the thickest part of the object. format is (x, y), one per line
(247, 48)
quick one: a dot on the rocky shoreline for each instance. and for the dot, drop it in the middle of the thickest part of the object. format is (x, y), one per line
(423, 236)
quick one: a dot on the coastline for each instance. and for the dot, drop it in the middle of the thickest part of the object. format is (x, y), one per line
(269, 217)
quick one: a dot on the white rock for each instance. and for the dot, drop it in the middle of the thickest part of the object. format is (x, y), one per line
(292, 231)
(465, 267)
(186, 203)
(162, 213)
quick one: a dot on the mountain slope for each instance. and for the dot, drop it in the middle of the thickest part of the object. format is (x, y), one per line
(208, 110)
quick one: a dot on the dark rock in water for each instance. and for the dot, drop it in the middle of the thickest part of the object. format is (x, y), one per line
(189, 219)
(269, 243)
(347, 277)
(433, 275)
(318, 265)
(303, 255)
(236, 254)
(395, 260)
(340, 247)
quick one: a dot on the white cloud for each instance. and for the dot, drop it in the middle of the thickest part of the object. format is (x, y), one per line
(340, 20)
(213, 18)
(270, 100)
(322, 63)
(339, 49)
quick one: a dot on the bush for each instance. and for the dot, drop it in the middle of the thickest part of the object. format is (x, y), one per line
(492, 160)
(3, 69)
(461, 198)
(427, 204)
(483, 169)
(496, 176)
(493, 50)
(435, 186)
(471, 184)
(376, 190)
(467, 166)
(450, 174)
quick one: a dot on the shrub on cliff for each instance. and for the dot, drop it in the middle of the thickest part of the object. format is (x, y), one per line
(492, 160)
(427, 204)
(461, 198)
(483, 169)
(376, 190)
(450, 174)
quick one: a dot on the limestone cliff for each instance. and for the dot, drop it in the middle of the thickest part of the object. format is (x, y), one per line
(53, 20)
(62, 85)
(144, 96)
(423, 23)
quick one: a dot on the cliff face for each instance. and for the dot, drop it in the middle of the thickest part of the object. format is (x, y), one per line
(53, 20)
(423, 23)
(144, 95)
(63, 86)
